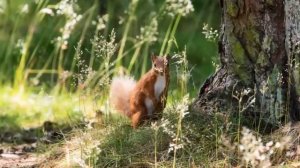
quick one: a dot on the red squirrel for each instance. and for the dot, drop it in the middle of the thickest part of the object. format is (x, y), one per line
(146, 98)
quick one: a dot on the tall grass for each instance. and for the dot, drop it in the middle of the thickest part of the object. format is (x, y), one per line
(52, 34)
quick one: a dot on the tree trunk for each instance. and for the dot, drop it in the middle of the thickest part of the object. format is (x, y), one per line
(259, 73)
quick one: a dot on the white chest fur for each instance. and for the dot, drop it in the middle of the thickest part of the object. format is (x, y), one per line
(159, 85)
(149, 106)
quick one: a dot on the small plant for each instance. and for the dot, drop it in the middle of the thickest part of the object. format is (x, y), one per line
(210, 34)
(256, 153)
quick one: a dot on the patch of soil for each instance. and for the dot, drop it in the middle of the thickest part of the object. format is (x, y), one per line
(19, 155)
(18, 146)
(20, 160)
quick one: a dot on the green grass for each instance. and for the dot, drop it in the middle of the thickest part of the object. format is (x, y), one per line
(31, 110)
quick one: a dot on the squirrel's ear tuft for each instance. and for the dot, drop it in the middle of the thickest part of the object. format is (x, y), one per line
(153, 57)
(167, 57)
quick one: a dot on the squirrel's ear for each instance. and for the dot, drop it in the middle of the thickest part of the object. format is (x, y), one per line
(168, 57)
(153, 57)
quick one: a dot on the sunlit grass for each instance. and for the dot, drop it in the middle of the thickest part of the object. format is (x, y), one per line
(33, 109)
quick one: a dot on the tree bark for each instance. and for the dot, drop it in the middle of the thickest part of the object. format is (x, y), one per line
(259, 72)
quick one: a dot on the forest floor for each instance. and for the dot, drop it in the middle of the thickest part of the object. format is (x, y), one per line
(38, 130)
(24, 147)
(20, 160)
(43, 146)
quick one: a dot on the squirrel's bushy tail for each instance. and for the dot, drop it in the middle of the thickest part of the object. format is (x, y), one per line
(120, 90)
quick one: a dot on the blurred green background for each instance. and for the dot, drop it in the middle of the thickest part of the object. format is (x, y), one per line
(31, 53)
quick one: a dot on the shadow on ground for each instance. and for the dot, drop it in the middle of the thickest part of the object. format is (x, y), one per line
(19, 147)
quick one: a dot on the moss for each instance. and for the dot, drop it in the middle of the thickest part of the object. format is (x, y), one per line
(296, 74)
(242, 73)
(252, 38)
(237, 50)
(270, 2)
(241, 60)
(275, 88)
(262, 61)
(252, 35)
(273, 79)
(266, 46)
(232, 8)
(252, 50)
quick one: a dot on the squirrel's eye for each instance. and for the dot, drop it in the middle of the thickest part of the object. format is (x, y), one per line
(154, 65)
